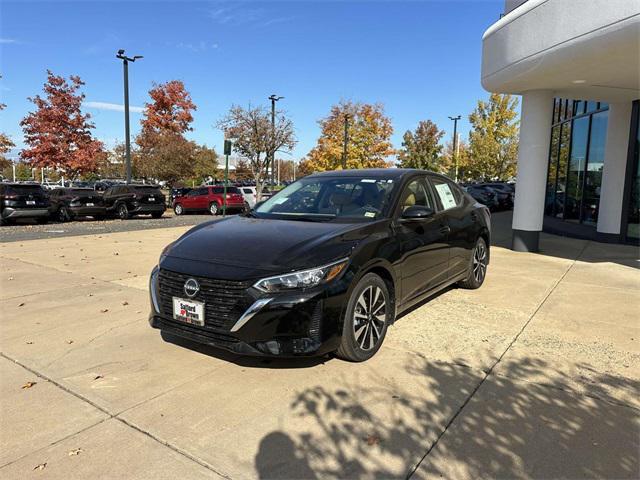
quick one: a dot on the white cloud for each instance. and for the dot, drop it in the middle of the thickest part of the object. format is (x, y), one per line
(116, 107)
(8, 40)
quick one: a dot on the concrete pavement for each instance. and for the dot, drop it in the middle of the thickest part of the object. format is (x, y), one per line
(536, 374)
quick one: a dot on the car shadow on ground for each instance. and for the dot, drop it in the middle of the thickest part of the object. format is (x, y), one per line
(510, 429)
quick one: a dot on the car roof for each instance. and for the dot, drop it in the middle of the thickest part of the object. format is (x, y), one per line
(373, 172)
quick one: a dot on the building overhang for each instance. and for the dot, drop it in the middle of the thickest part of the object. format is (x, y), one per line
(581, 50)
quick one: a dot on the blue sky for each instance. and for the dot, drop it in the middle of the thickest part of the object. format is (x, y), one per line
(420, 59)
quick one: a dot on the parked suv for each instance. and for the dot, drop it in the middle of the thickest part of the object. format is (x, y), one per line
(250, 195)
(209, 198)
(126, 201)
(23, 200)
(68, 203)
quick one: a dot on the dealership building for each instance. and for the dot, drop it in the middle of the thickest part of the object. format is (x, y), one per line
(576, 64)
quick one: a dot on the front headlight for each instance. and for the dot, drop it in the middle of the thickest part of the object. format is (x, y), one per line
(303, 279)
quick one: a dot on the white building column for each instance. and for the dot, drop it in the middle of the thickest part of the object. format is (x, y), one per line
(533, 158)
(613, 172)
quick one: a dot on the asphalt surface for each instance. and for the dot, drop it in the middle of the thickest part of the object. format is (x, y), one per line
(26, 229)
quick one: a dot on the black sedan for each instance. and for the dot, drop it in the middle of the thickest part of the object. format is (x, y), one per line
(69, 203)
(325, 265)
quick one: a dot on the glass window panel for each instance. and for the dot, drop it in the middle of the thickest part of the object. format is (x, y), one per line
(595, 163)
(592, 106)
(563, 160)
(568, 111)
(556, 110)
(552, 172)
(579, 109)
(577, 163)
(633, 216)
(603, 105)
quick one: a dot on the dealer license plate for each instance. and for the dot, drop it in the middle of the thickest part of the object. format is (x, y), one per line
(188, 311)
(152, 199)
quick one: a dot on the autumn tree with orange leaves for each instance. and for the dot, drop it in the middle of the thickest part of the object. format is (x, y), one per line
(369, 144)
(58, 135)
(164, 152)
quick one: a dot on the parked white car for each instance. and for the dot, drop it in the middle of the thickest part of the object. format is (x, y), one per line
(250, 193)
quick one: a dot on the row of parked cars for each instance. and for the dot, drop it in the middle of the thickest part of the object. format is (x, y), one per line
(495, 195)
(117, 200)
(31, 200)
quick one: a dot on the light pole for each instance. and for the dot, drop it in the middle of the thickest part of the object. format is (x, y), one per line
(346, 141)
(274, 98)
(455, 144)
(127, 144)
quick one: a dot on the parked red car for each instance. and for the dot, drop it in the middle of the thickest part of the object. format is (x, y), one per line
(209, 198)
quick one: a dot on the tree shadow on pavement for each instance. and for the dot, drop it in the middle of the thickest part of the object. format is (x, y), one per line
(511, 428)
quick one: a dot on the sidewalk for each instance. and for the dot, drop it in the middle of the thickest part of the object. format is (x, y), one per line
(536, 374)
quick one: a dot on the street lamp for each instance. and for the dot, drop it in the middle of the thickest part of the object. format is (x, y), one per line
(346, 141)
(127, 144)
(455, 144)
(274, 98)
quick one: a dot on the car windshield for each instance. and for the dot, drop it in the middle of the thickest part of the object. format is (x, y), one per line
(326, 198)
(80, 191)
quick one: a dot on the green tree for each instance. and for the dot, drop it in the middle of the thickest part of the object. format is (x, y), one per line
(493, 139)
(205, 162)
(421, 148)
(369, 144)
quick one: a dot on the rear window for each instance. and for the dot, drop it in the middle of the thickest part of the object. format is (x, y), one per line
(24, 189)
(221, 190)
(146, 188)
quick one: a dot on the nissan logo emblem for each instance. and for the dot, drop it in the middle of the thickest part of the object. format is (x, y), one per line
(191, 287)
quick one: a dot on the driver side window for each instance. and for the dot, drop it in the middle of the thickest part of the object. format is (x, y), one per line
(416, 193)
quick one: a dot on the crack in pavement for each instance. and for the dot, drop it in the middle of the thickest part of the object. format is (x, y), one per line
(495, 364)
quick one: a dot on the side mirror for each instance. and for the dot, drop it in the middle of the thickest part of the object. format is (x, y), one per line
(417, 212)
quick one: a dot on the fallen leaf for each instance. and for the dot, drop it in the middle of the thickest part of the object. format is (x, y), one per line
(29, 343)
(116, 253)
(373, 440)
(75, 451)
(104, 310)
(69, 342)
(41, 466)
(21, 304)
(90, 295)
(98, 377)
(29, 385)
(10, 278)
(125, 303)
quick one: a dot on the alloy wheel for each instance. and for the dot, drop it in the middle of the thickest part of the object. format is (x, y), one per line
(369, 317)
(63, 214)
(213, 208)
(479, 262)
(178, 209)
(123, 212)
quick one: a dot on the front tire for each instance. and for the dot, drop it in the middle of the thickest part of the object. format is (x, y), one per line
(123, 212)
(213, 209)
(369, 312)
(64, 215)
(178, 210)
(477, 266)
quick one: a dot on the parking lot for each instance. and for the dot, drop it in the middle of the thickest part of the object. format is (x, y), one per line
(536, 374)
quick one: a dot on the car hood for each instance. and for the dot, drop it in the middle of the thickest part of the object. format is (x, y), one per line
(260, 245)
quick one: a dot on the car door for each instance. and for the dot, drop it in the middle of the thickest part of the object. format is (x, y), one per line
(108, 197)
(423, 243)
(461, 219)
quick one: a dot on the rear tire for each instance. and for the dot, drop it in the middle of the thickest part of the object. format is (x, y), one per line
(123, 212)
(178, 210)
(213, 208)
(477, 266)
(369, 312)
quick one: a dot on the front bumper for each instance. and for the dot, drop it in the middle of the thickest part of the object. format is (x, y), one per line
(136, 209)
(88, 211)
(305, 323)
(10, 212)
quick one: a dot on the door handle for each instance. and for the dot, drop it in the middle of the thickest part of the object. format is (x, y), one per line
(445, 230)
